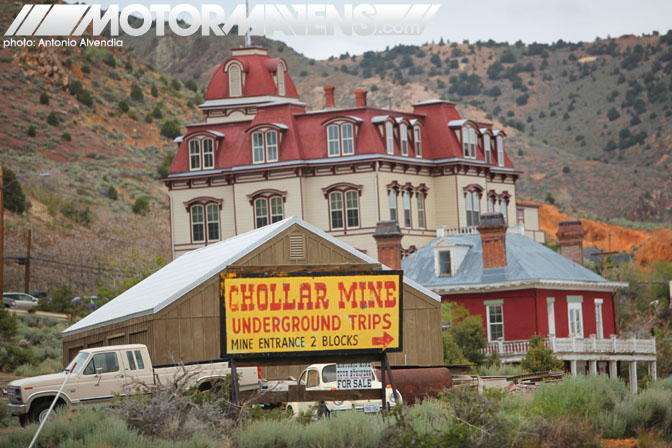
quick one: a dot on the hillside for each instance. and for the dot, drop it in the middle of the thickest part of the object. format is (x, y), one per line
(587, 122)
(646, 245)
(92, 118)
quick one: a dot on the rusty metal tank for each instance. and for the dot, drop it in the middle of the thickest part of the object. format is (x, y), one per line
(418, 382)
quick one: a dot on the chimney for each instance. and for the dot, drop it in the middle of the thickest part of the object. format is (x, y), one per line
(570, 237)
(329, 96)
(493, 239)
(360, 96)
(441, 231)
(388, 240)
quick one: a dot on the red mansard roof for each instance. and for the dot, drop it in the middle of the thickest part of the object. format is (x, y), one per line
(258, 70)
(302, 135)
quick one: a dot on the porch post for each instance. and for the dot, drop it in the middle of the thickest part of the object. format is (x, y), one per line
(633, 377)
(613, 369)
(653, 371)
(572, 363)
(593, 367)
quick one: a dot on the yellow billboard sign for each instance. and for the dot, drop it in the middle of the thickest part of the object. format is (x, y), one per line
(311, 313)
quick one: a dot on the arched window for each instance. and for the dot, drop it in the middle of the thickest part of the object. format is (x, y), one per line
(473, 199)
(472, 143)
(208, 154)
(265, 146)
(271, 146)
(389, 137)
(333, 140)
(503, 207)
(213, 221)
(486, 147)
(500, 150)
(340, 139)
(268, 210)
(194, 154)
(348, 139)
(418, 141)
(258, 147)
(407, 209)
(200, 222)
(393, 205)
(197, 224)
(491, 204)
(336, 209)
(235, 87)
(420, 199)
(352, 208)
(403, 135)
(281, 80)
(260, 212)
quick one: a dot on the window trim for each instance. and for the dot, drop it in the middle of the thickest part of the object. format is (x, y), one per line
(599, 319)
(340, 140)
(195, 144)
(204, 202)
(487, 149)
(343, 188)
(493, 304)
(500, 150)
(389, 137)
(437, 262)
(265, 132)
(267, 194)
(280, 75)
(576, 305)
(403, 139)
(417, 141)
(421, 197)
(550, 314)
(235, 90)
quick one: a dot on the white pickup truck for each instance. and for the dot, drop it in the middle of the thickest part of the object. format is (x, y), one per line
(100, 373)
(324, 377)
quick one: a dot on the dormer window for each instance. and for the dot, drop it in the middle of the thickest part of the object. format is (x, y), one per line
(403, 133)
(340, 140)
(201, 154)
(265, 146)
(486, 146)
(469, 142)
(235, 80)
(418, 142)
(389, 137)
(500, 150)
(445, 265)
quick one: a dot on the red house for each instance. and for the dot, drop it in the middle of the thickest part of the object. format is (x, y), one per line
(522, 288)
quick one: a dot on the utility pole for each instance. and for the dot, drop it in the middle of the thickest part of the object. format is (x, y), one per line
(248, 39)
(2, 227)
(26, 286)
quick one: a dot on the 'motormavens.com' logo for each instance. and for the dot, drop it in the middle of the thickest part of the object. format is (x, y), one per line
(364, 19)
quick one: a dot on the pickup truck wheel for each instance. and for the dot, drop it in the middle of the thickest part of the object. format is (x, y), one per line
(39, 411)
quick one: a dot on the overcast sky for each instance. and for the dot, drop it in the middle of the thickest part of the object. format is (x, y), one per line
(501, 20)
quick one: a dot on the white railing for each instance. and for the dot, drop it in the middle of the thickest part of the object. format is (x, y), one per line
(466, 230)
(577, 345)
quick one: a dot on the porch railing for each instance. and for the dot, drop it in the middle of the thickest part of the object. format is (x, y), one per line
(576, 345)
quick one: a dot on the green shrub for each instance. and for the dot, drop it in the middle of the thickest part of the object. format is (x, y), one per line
(44, 98)
(15, 199)
(163, 168)
(112, 193)
(31, 132)
(123, 106)
(110, 60)
(580, 396)
(612, 114)
(8, 323)
(52, 118)
(650, 410)
(66, 136)
(191, 85)
(155, 91)
(175, 84)
(86, 69)
(12, 357)
(136, 93)
(539, 358)
(171, 129)
(141, 205)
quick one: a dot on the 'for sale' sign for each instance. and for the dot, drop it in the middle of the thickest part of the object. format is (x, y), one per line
(357, 375)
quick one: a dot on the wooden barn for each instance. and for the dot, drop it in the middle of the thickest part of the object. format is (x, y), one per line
(176, 311)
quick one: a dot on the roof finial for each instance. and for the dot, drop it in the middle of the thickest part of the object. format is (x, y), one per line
(248, 39)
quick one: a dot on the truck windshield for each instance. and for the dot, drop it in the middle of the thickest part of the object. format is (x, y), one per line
(329, 373)
(79, 359)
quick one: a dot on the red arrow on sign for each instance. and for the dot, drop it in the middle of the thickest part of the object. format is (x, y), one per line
(384, 341)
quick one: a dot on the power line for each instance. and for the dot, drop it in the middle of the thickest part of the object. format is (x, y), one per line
(82, 268)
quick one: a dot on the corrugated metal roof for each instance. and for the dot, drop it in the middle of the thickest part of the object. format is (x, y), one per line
(526, 260)
(193, 268)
